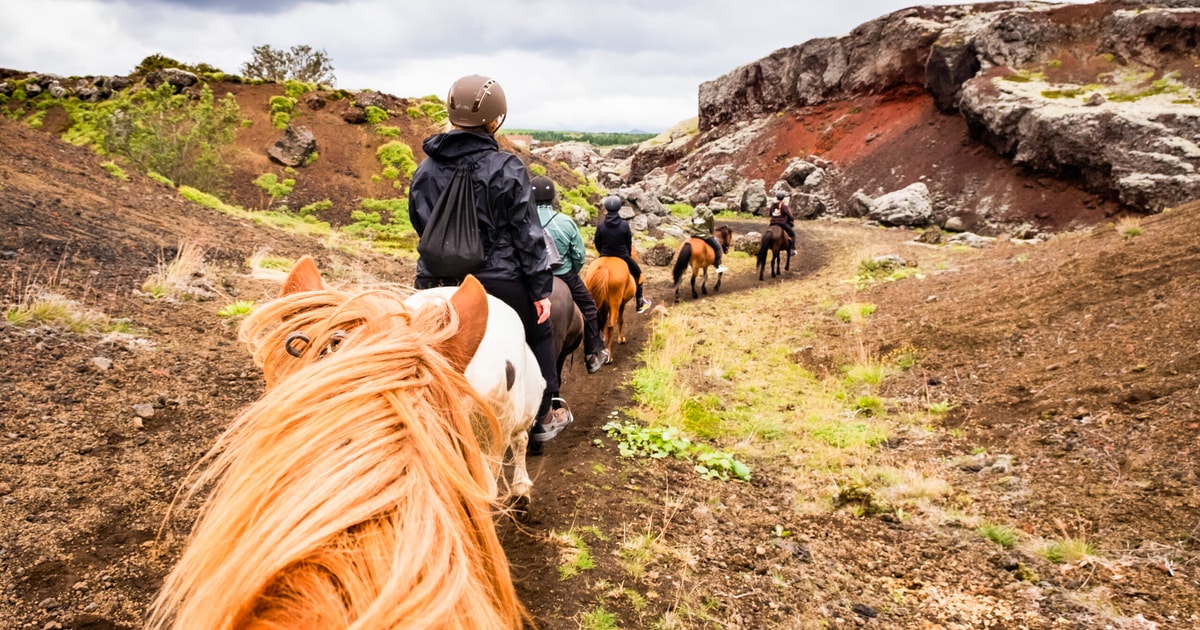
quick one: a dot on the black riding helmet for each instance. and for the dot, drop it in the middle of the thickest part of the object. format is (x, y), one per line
(612, 203)
(543, 188)
(780, 195)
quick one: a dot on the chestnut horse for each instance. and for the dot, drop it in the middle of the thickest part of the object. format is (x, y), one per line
(612, 287)
(699, 254)
(773, 241)
(355, 492)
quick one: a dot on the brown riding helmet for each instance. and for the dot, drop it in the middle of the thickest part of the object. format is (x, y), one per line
(475, 101)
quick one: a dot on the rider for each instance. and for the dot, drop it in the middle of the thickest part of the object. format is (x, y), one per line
(702, 228)
(517, 270)
(614, 238)
(569, 243)
(781, 215)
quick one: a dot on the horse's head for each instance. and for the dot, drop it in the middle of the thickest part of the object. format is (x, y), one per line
(724, 235)
(309, 320)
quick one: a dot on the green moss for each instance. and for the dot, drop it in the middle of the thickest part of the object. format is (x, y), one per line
(387, 131)
(537, 170)
(391, 172)
(280, 120)
(162, 179)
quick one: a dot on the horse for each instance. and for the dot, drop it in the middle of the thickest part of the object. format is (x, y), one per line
(612, 287)
(568, 323)
(773, 240)
(359, 490)
(700, 255)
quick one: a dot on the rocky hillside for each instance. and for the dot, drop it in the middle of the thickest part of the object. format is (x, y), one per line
(1013, 117)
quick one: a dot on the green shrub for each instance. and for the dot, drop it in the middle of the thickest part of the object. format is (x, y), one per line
(281, 104)
(390, 172)
(273, 186)
(157, 130)
(387, 131)
(315, 207)
(376, 115)
(399, 155)
(537, 170)
(280, 120)
(160, 179)
(296, 89)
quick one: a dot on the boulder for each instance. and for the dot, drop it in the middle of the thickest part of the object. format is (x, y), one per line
(179, 79)
(314, 101)
(355, 115)
(294, 147)
(910, 206)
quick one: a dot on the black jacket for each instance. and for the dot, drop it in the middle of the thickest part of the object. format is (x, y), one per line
(613, 236)
(512, 235)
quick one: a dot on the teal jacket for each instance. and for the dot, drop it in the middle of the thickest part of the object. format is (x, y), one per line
(567, 238)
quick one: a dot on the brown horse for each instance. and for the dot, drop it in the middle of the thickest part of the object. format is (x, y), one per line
(612, 287)
(700, 255)
(773, 241)
(355, 492)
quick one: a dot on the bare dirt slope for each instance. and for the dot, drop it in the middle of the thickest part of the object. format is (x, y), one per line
(1075, 360)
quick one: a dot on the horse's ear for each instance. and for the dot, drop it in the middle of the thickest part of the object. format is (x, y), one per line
(303, 277)
(471, 303)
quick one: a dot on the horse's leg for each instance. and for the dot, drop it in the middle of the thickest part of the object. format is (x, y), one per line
(788, 265)
(521, 483)
(695, 296)
(717, 286)
(621, 322)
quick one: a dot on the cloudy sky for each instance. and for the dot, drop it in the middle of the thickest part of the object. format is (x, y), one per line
(588, 65)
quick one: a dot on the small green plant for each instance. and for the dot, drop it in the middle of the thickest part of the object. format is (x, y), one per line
(280, 120)
(574, 555)
(661, 442)
(537, 170)
(112, 168)
(854, 312)
(680, 210)
(274, 187)
(237, 309)
(598, 619)
(941, 407)
(1002, 535)
(312, 157)
(1067, 550)
(1130, 227)
(387, 131)
(172, 277)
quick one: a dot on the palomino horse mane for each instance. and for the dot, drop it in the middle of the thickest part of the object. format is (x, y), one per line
(354, 493)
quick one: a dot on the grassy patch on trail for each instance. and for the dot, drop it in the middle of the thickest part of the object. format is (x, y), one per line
(729, 383)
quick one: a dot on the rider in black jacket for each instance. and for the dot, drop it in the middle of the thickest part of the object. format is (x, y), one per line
(517, 269)
(614, 238)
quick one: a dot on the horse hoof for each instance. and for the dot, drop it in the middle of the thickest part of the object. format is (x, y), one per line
(520, 509)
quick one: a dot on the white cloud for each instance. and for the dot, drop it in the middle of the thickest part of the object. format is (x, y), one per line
(566, 64)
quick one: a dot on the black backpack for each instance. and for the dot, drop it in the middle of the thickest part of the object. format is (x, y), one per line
(451, 246)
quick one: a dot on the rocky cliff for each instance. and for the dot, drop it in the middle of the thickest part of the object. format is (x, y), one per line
(1009, 113)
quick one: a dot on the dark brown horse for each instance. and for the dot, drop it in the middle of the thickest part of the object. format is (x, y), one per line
(774, 240)
(568, 323)
(700, 255)
(611, 285)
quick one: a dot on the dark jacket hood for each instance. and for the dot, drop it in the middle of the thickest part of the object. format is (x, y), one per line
(455, 144)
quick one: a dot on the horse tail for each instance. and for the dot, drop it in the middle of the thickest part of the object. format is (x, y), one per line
(763, 247)
(681, 262)
(354, 491)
